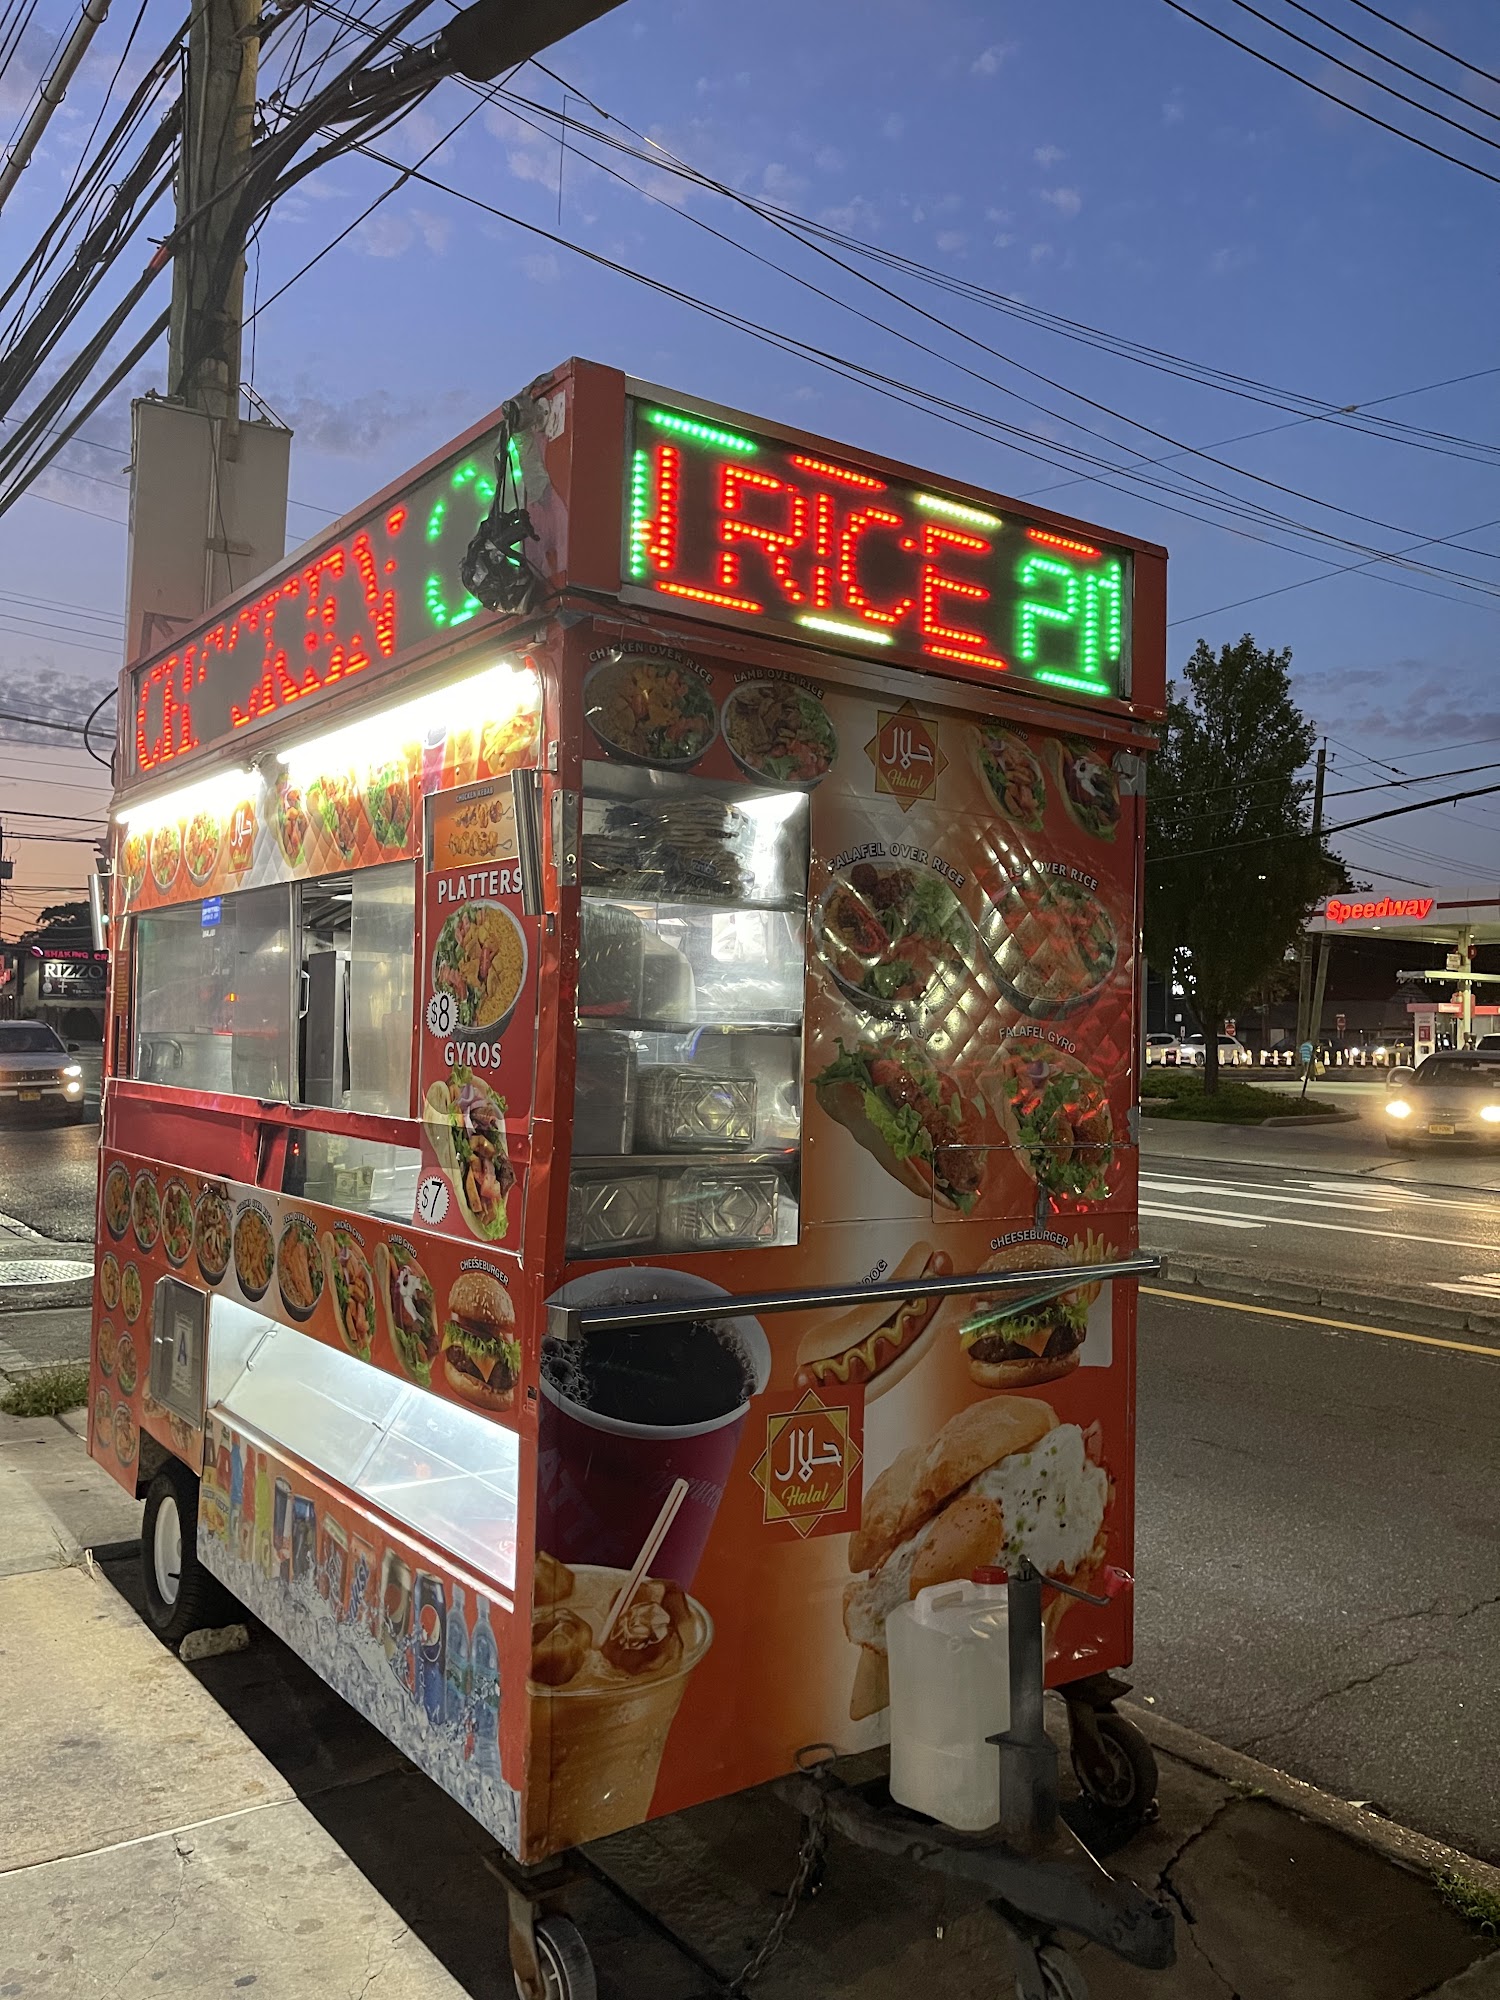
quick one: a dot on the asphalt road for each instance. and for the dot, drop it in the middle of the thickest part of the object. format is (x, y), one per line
(47, 1175)
(1318, 1555)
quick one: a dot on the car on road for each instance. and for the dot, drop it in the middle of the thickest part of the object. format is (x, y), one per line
(38, 1073)
(1452, 1098)
(1232, 1052)
(1162, 1049)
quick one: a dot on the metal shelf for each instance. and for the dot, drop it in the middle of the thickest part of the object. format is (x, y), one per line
(628, 1024)
(724, 1156)
(656, 899)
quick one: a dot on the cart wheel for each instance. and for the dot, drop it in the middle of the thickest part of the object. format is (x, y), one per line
(567, 1969)
(1118, 1773)
(181, 1595)
(1061, 1978)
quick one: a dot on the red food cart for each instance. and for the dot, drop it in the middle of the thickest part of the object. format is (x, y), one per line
(624, 959)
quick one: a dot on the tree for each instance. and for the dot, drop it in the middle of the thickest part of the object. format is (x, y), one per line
(64, 920)
(1231, 864)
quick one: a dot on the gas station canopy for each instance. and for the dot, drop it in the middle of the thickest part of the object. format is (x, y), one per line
(1458, 918)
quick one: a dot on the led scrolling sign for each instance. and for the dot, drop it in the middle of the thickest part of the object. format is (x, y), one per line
(749, 528)
(357, 603)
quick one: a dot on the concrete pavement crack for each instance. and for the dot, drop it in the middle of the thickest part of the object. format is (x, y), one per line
(1300, 1715)
(184, 1854)
(377, 1972)
(1174, 1893)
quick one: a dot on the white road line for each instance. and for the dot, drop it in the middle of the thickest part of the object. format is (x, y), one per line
(1405, 1237)
(1200, 1215)
(1478, 1285)
(1395, 1191)
(1216, 1188)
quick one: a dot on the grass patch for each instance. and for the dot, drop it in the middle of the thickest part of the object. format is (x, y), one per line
(47, 1392)
(1471, 1899)
(1234, 1103)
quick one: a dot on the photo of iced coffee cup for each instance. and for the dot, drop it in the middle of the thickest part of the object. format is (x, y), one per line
(627, 1413)
(603, 1696)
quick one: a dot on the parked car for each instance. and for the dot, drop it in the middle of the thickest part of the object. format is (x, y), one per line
(1162, 1049)
(1451, 1098)
(37, 1073)
(1232, 1052)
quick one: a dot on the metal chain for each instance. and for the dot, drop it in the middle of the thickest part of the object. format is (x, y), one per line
(806, 1878)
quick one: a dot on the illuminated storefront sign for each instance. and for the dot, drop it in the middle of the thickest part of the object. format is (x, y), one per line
(364, 600)
(1389, 907)
(725, 523)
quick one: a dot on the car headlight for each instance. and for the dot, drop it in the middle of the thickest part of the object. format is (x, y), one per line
(1490, 1113)
(73, 1069)
(1399, 1108)
(72, 1087)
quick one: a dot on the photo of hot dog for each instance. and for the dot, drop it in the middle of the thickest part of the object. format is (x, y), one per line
(919, 1122)
(875, 1345)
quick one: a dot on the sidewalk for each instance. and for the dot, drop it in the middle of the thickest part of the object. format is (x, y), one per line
(148, 1847)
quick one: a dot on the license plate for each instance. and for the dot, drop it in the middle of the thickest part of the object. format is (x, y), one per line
(1440, 1131)
(29, 1096)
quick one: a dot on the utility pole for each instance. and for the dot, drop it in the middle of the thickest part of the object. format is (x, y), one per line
(50, 95)
(208, 274)
(1304, 1005)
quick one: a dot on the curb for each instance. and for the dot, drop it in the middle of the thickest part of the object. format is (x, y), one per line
(1252, 1124)
(1415, 1852)
(1204, 1273)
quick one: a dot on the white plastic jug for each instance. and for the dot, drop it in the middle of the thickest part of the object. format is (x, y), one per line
(950, 1689)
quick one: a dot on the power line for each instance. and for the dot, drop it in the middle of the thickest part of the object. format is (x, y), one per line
(1326, 833)
(1473, 68)
(1332, 96)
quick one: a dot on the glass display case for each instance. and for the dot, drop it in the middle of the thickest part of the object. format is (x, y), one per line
(692, 959)
(445, 1472)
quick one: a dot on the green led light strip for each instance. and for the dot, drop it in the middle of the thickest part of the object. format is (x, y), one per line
(703, 433)
(866, 634)
(1069, 681)
(973, 517)
(640, 501)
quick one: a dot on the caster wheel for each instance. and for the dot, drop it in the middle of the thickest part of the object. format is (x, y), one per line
(1055, 1977)
(1119, 1776)
(567, 1969)
(181, 1595)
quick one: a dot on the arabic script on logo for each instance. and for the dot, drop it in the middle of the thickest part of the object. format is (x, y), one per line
(906, 756)
(808, 1472)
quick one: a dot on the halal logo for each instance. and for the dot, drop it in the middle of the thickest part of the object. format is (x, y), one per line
(905, 753)
(242, 835)
(809, 1461)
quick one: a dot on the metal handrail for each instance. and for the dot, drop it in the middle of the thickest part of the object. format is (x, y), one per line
(572, 1322)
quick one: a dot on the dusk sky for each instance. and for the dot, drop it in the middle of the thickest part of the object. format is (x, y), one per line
(1108, 161)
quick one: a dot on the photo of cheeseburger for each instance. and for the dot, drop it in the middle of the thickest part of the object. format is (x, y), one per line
(999, 1481)
(876, 1345)
(1013, 1340)
(481, 1354)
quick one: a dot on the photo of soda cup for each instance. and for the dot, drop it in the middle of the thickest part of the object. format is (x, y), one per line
(624, 1416)
(597, 1736)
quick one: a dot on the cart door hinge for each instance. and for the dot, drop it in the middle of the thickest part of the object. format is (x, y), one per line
(565, 838)
(1131, 771)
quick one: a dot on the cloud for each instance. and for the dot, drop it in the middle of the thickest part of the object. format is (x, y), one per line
(1228, 259)
(893, 126)
(1174, 110)
(1002, 242)
(829, 160)
(857, 217)
(988, 62)
(359, 426)
(384, 234)
(1041, 253)
(50, 696)
(1048, 156)
(541, 267)
(435, 229)
(1067, 201)
(950, 240)
(781, 183)
(998, 215)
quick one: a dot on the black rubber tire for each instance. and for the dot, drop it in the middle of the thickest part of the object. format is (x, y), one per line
(200, 1599)
(1126, 1795)
(1397, 1145)
(566, 1965)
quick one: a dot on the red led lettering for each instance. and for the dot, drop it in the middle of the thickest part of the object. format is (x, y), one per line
(777, 543)
(952, 642)
(395, 521)
(1062, 542)
(711, 596)
(824, 546)
(841, 473)
(855, 595)
(660, 537)
(382, 603)
(731, 478)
